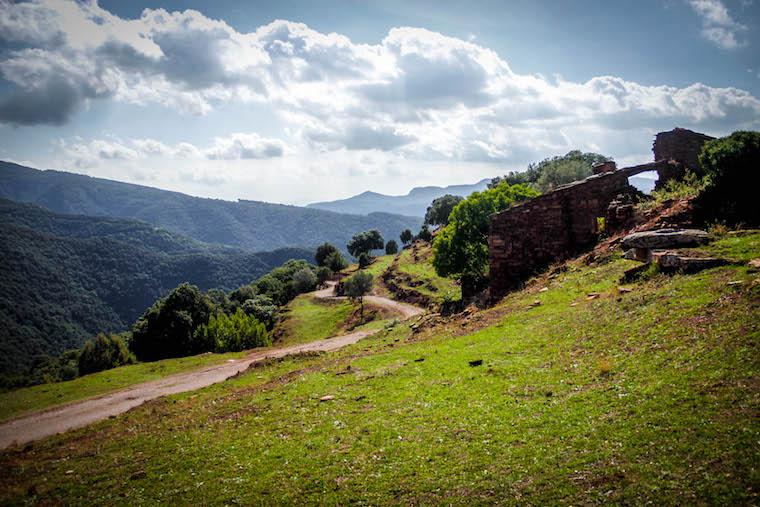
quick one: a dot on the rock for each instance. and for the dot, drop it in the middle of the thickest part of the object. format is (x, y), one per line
(543, 289)
(591, 296)
(534, 304)
(665, 238)
(624, 290)
(476, 362)
(637, 254)
(754, 264)
(735, 282)
(327, 398)
(670, 261)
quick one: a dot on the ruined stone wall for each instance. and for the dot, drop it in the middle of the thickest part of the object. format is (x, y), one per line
(551, 227)
(681, 145)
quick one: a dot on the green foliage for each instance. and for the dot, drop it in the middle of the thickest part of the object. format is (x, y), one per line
(167, 328)
(323, 253)
(262, 308)
(323, 275)
(103, 353)
(732, 167)
(336, 262)
(461, 248)
(358, 285)
(66, 278)
(439, 210)
(424, 234)
(406, 236)
(391, 247)
(304, 280)
(364, 260)
(232, 333)
(690, 186)
(365, 242)
(281, 284)
(555, 171)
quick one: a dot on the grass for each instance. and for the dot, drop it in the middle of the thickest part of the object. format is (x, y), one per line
(437, 288)
(309, 319)
(28, 399)
(651, 396)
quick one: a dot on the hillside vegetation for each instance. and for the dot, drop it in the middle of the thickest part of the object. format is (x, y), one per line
(580, 393)
(251, 225)
(66, 278)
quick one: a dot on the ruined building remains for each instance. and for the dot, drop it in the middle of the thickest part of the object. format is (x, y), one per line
(558, 225)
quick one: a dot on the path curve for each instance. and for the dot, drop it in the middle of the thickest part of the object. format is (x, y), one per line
(47, 422)
(408, 311)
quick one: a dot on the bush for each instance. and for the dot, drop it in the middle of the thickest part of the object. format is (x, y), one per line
(424, 234)
(323, 252)
(336, 262)
(391, 247)
(262, 308)
(323, 274)
(167, 329)
(364, 260)
(731, 166)
(304, 280)
(233, 333)
(103, 353)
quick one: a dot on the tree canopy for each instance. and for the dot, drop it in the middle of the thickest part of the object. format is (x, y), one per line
(365, 242)
(439, 210)
(406, 236)
(323, 252)
(391, 247)
(555, 171)
(461, 248)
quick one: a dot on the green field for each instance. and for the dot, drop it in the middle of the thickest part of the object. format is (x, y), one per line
(308, 319)
(437, 288)
(27, 399)
(648, 396)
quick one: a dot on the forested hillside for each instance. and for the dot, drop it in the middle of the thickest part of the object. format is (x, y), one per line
(67, 277)
(252, 225)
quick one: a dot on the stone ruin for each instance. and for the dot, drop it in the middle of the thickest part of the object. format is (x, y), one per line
(560, 224)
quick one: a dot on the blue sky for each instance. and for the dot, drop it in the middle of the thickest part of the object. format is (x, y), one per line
(302, 101)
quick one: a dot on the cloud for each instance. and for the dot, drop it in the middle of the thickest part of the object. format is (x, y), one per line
(717, 24)
(245, 146)
(416, 94)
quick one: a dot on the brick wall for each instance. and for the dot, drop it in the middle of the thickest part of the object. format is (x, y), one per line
(528, 237)
(681, 145)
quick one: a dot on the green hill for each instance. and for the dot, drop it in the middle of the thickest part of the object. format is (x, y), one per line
(251, 225)
(65, 278)
(593, 395)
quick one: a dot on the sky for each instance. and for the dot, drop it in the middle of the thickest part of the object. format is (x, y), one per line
(303, 101)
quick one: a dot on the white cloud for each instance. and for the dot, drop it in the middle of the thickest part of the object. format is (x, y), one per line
(415, 99)
(718, 26)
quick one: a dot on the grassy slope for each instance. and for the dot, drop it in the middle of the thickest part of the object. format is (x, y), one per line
(435, 287)
(309, 319)
(19, 401)
(651, 395)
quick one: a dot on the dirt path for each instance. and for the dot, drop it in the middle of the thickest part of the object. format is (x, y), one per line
(48, 422)
(408, 311)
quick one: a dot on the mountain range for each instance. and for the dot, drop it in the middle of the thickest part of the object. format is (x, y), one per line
(415, 203)
(64, 278)
(252, 225)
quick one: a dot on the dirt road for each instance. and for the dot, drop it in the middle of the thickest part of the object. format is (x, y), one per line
(406, 310)
(78, 414)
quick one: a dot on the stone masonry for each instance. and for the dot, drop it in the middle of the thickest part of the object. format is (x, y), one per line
(560, 224)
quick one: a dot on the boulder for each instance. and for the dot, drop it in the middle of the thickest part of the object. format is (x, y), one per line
(665, 238)
(669, 261)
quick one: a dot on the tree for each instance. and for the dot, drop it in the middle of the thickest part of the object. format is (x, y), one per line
(439, 210)
(391, 247)
(262, 308)
(166, 329)
(424, 234)
(304, 280)
(364, 260)
(323, 252)
(461, 248)
(406, 236)
(323, 274)
(232, 333)
(358, 286)
(731, 169)
(336, 262)
(103, 353)
(365, 242)
(555, 171)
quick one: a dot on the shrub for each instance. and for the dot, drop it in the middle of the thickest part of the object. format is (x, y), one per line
(167, 329)
(733, 176)
(336, 262)
(424, 234)
(391, 247)
(364, 260)
(262, 308)
(233, 333)
(323, 274)
(103, 353)
(304, 280)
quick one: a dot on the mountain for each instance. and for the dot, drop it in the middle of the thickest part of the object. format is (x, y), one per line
(63, 278)
(414, 203)
(256, 226)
